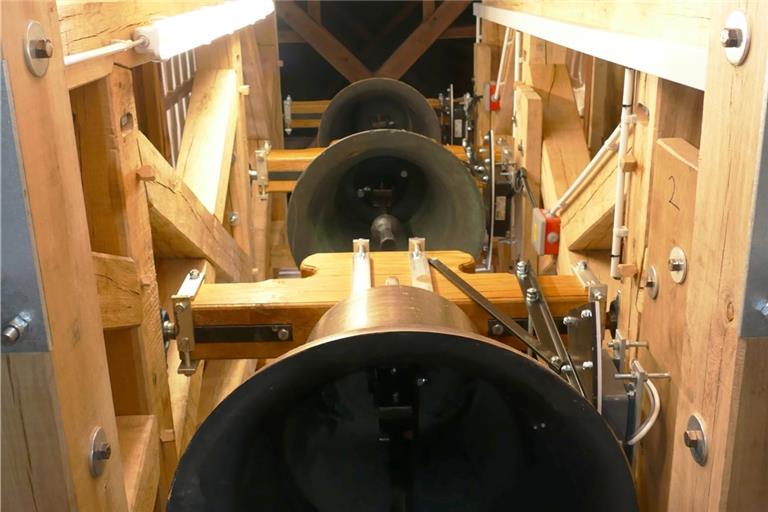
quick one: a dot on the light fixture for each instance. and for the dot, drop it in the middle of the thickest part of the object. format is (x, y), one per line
(174, 35)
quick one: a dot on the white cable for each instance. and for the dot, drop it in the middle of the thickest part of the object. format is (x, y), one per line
(497, 92)
(114, 47)
(646, 426)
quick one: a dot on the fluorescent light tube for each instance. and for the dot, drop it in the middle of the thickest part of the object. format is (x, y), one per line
(171, 36)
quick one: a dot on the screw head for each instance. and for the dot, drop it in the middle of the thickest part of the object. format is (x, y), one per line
(521, 268)
(675, 264)
(692, 438)
(570, 320)
(194, 273)
(587, 365)
(586, 314)
(283, 334)
(234, 218)
(730, 37)
(497, 329)
(103, 452)
(42, 48)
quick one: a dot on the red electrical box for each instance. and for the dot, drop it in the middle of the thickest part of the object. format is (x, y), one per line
(545, 232)
(488, 102)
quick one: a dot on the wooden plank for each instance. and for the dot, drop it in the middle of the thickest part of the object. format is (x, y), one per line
(35, 474)
(227, 53)
(670, 224)
(482, 76)
(182, 227)
(117, 283)
(716, 380)
(588, 219)
(301, 302)
(527, 150)
(322, 41)
(139, 444)
(684, 21)
(421, 39)
(77, 364)
(152, 104)
(456, 32)
(89, 25)
(205, 156)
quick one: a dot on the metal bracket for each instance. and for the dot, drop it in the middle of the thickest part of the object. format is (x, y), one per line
(639, 377)
(38, 49)
(598, 292)
(421, 274)
(361, 265)
(585, 330)
(23, 318)
(183, 324)
(287, 107)
(261, 175)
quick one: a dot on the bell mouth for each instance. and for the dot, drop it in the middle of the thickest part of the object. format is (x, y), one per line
(377, 103)
(408, 176)
(474, 426)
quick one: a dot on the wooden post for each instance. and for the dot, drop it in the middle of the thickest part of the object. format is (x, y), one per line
(52, 401)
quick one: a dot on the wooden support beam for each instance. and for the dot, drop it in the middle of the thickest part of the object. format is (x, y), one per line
(301, 302)
(205, 156)
(51, 401)
(588, 219)
(529, 118)
(322, 41)
(117, 282)
(724, 375)
(182, 227)
(138, 437)
(427, 9)
(421, 39)
(482, 75)
(314, 8)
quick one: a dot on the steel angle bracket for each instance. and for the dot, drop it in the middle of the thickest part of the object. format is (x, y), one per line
(584, 327)
(183, 327)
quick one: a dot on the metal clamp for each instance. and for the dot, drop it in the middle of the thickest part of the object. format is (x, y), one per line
(261, 175)
(641, 381)
(421, 274)
(183, 326)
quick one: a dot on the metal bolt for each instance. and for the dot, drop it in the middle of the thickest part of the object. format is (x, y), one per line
(194, 273)
(692, 438)
(42, 48)
(103, 452)
(586, 314)
(14, 330)
(676, 264)
(587, 365)
(762, 307)
(730, 37)
(521, 268)
(566, 368)
(283, 334)
(180, 307)
(531, 295)
(570, 320)
(497, 329)
(555, 360)
(234, 218)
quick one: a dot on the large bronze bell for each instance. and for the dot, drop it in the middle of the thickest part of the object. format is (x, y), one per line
(377, 103)
(385, 185)
(398, 406)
